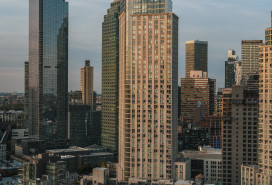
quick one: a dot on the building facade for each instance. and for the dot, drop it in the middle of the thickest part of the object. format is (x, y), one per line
(240, 125)
(196, 56)
(110, 77)
(265, 107)
(48, 68)
(198, 94)
(250, 58)
(26, 91)
(148, 90)
(206, 161)
(183, 169)
(230, 69)
(248, 174)
(86, 85)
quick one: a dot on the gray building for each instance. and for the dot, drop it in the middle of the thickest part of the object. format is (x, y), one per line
(48, 68)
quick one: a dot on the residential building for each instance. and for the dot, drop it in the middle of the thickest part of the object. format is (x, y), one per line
(86, 85)
(48, 68)
(196, 56)
(198, 94)
(240, 125)
(110, 77)
(264, 175)
(148, 90)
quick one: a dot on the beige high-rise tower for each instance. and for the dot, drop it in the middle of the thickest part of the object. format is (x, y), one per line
(86, 84)
(265, 109)
(148, 90)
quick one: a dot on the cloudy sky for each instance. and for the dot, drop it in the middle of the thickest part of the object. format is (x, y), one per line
(223, 23)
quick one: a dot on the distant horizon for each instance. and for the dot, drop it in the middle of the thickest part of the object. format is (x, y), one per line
(211, 21)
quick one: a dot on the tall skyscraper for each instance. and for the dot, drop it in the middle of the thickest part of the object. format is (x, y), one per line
(110, 77)
(265, 108)
(48, 68)
(230, 69)
(240, 125)
(86, 84)
(250, 58)
(198, 94)
(196, 56)
(148, 90)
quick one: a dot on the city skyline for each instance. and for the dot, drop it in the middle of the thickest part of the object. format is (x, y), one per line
(86, 34)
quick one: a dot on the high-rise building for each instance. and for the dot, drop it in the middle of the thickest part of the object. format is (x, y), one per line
(250, 58)
(230, 69)
(48, 67)
(238, 73)
(110, 77)
(148, 90)
(240, 125)
(265, 107)
(86, 84)
(196, 56)
(26, 90)
(198, 94)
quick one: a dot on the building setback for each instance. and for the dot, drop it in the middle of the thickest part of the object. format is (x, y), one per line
(110, 77)
(48, 68)
(148, 90)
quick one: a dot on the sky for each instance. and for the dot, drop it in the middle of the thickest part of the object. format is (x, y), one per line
(222, 23)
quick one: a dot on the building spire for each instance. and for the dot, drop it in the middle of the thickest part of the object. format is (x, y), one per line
(271, 19)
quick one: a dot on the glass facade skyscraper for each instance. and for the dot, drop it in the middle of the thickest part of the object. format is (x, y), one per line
(110, 77)
(48, 68)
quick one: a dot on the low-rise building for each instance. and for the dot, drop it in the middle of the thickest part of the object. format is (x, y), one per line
(183, 169)
(206, 161)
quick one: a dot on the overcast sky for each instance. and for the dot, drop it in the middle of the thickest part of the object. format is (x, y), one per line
(222, 23)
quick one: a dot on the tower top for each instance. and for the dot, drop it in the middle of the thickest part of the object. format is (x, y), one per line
(87, 63)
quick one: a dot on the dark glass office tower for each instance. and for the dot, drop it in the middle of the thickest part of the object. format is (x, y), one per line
(110, 77)
(48, 69)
